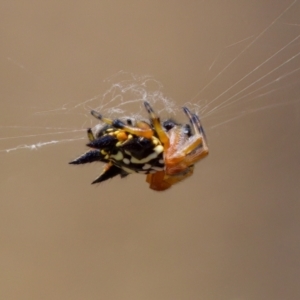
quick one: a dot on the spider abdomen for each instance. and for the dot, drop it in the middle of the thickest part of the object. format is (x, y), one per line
(139, 155)
(131, 153)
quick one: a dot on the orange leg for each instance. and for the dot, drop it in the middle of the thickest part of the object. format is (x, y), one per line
(157, 181)
(160, 181)
(143, 131)
(163, 137)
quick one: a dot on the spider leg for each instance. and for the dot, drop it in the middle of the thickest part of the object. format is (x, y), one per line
(163, 137)
(142, 129)
(198, 129)
(109, 172)
(96, 114)
(191, 151)
(196, 123)
(157, 181)
(161, 181)
(176, 155)
(90, 135)
(199, 125)
(193, 120)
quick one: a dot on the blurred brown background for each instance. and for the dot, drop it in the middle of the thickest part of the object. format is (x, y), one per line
(230, 232)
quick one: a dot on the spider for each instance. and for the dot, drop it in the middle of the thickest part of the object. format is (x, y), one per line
(165, 151)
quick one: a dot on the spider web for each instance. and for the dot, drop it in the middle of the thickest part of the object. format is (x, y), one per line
(276, 73)
(123, 99)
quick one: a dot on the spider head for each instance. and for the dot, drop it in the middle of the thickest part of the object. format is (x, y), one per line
(170, 124)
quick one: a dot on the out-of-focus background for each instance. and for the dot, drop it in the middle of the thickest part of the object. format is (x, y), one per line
(231, 231)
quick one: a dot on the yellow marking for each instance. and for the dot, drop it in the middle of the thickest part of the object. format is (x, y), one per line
(107, 121)
(121, 136)
(144, 160)
(118, 157)
(157, 150)
(127, 170)
(90, 135)
(155, 141)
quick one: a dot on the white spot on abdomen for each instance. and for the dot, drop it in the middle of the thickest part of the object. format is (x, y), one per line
(126, 161)
(118, 156)
(158, 168)
(146, 166)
